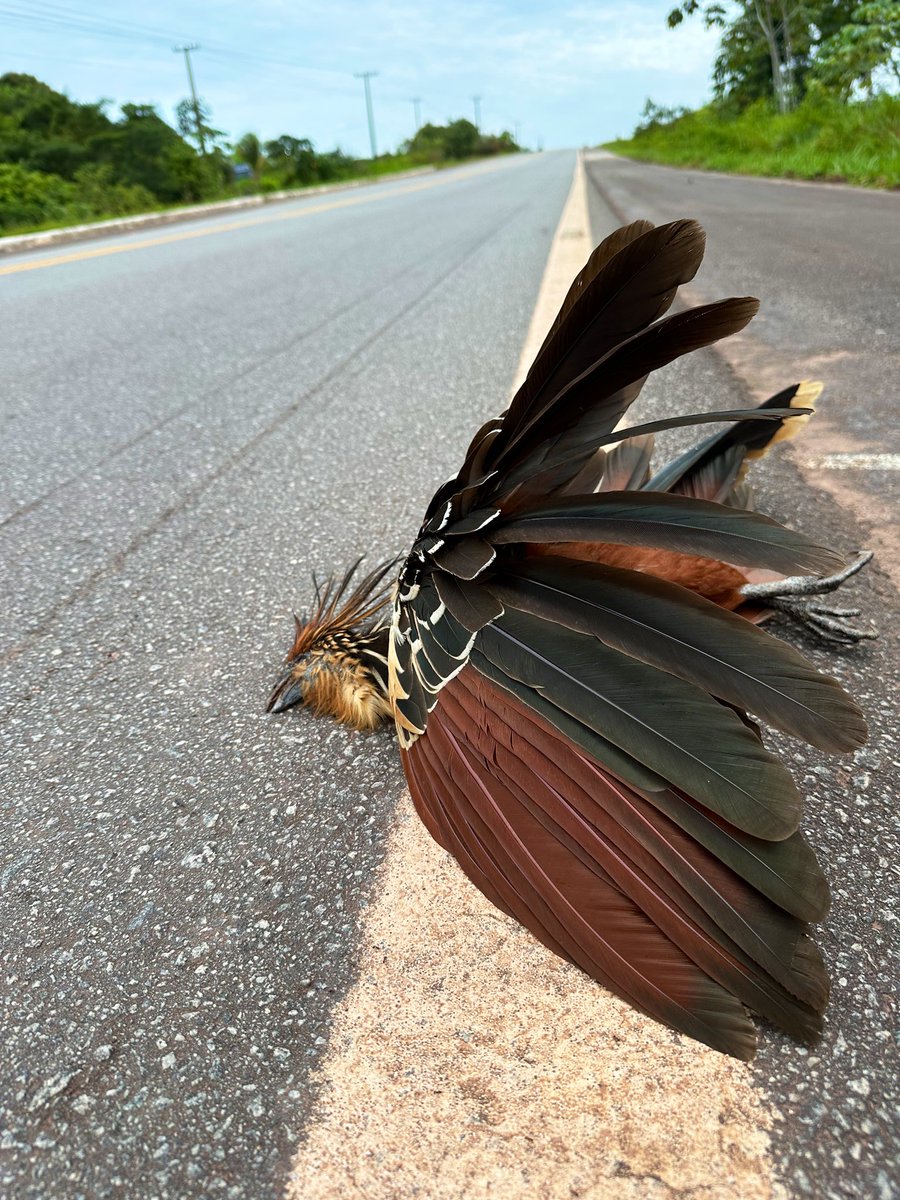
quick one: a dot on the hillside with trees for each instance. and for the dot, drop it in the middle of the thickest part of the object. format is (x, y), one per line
(63, 162)
(799, 89)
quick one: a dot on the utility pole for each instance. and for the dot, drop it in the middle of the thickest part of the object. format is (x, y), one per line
(365, 76)
(476, 100)
(417, 109)
(518, 132)
(186, 51)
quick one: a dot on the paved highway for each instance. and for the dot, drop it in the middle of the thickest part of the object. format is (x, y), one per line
(823, 260)
(192, 423)
(195, 419)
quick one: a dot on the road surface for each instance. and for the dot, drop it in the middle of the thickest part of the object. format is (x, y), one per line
(195, 419)
(823, 260)
(193, 424)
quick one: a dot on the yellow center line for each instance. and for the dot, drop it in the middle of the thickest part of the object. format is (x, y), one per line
(227, 227)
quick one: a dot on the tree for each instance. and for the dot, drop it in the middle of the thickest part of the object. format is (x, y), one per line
(461, 139)
(777, 47)
(71, 162)
(142, 149)
(498, 143)
(774, 18)
(456, 139)
(858, 51)
(294, 157)
(194, 122)
(31, 197)
(742, 72)
(249, 150)
(44, 130)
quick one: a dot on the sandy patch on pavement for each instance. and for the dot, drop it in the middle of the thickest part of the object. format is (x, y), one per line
(470, 1062)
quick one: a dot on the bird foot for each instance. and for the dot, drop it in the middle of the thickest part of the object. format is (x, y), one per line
(794, 596)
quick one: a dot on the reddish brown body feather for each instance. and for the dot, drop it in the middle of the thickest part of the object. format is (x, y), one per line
(578, 858)
(716, 581)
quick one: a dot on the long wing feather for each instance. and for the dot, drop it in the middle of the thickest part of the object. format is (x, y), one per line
(626, 291)
(602, 392)
(673, 629)
(673, 727)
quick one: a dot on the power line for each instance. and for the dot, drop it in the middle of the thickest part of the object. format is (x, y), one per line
(365, 76)
(53, 16)
(77, 24)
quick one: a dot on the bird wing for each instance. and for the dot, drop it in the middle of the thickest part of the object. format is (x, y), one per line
(575, 733)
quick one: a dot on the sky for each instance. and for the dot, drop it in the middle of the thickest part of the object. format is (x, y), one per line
(563, 74)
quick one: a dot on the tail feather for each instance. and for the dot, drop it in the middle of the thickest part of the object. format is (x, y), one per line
(621, 294)
(589, 406)
(627, 466)
(714, 469)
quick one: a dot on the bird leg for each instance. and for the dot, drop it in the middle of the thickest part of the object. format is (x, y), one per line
(793, 596)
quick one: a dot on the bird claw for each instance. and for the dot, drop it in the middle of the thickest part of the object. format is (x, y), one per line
(792, 596)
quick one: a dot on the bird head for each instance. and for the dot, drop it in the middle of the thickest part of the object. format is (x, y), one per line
(337, 664)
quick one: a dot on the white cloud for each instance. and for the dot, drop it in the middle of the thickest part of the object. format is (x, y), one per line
(571, 72)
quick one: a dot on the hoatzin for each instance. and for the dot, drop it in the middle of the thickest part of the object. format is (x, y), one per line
(569, 668)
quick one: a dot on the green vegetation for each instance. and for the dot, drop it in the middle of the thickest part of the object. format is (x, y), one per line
(64, 163)
(820, 139)
(456, 141)
(806, 90)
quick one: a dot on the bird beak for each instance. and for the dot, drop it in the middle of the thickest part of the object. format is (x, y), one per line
(288, 691)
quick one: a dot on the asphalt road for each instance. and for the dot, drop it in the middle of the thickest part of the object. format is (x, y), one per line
(191, 425)
(823, 261)
(195, 419)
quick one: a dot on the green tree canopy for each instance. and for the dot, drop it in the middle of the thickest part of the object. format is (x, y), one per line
(780, 47)
(456, 140)
(248, 149)
(294, 157)
(856, 53)
(44, 131)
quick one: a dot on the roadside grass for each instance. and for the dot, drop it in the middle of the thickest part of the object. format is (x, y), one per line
(73, 207)
(73, 211)
(821, 139)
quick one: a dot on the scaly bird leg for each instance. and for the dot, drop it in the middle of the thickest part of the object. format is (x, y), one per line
(792, 596)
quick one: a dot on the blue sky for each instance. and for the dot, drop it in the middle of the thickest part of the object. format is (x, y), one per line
(569, 74)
